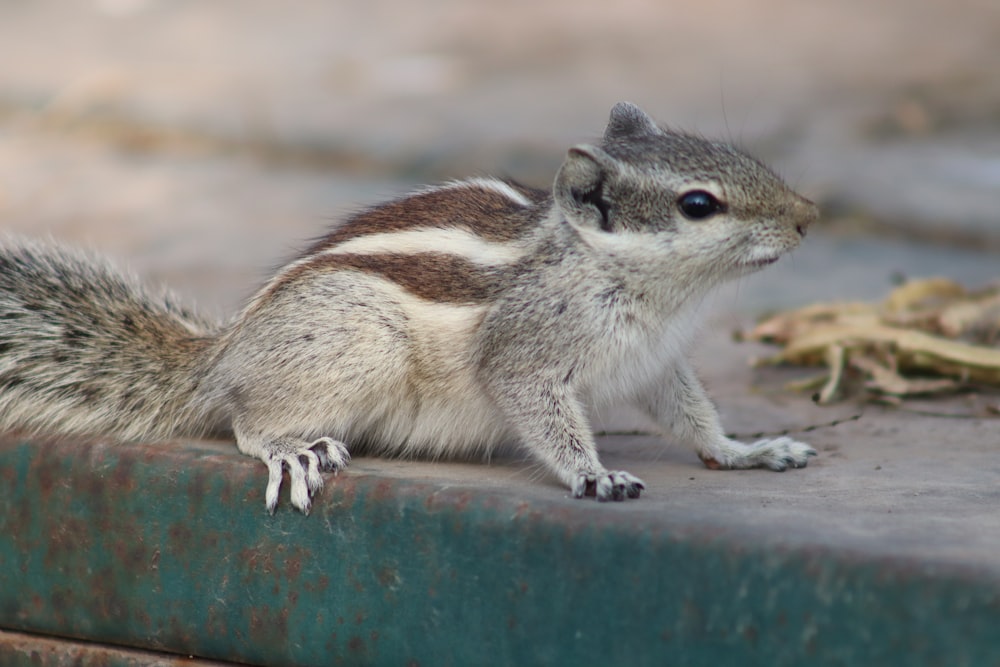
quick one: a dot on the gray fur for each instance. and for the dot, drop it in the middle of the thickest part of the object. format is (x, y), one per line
(540, 306)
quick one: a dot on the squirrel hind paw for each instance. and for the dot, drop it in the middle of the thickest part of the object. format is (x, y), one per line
(304, 461)
(615, 485)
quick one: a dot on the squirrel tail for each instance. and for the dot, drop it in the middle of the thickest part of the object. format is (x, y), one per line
(86, 349)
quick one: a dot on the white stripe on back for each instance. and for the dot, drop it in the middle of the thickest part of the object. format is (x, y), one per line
(493, 184)
(452, 241)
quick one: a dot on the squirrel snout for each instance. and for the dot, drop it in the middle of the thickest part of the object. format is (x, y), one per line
(804, 213)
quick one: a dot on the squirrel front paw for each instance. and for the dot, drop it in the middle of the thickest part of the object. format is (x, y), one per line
(778, 454)
(614, 485)
(304, 462)
(781, 453)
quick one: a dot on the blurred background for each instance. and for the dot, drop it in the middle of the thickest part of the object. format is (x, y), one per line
(204, 142)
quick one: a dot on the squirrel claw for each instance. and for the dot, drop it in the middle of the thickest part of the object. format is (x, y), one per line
(333, 455)
(304, 462)
(615, 485)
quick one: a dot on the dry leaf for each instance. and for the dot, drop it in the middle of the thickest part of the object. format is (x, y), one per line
(783, 327)
(919, 294)
(977, 320)
(834, 358)
(888, 381)
(904, 346)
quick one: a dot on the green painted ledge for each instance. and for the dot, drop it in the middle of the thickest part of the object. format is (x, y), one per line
(168, 548)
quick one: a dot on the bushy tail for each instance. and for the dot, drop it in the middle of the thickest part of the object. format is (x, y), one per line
(86, 349)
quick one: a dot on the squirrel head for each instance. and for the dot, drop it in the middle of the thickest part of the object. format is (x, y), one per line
(707, 200)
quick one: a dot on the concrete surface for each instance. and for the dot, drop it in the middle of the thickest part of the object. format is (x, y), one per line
(18, 648)
(203, 143)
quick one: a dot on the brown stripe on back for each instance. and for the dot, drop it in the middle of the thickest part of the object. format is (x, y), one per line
(433, 276)
(488, 213)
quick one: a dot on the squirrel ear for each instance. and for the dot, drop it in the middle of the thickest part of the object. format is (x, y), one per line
(629, 120)
(580, 187)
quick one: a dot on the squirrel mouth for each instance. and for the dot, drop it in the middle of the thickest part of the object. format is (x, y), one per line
(761, 263)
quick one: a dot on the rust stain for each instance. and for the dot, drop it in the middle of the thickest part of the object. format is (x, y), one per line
(45, 473)
(216, 624)
(462, 501)
(122, 476)
(143, 618)
(181, 537)
(133, 554)
(355, 583)
(387, 576)
(269, 625)
(66, 538)
(383, 489)
(196, 491)
(105, 601)
(524, 510)
(340, 491)
(316, 584)
(293, 567)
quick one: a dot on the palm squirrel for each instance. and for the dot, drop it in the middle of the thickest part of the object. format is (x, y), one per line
(440, 324)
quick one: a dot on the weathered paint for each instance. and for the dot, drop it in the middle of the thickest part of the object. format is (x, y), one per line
(169, 548)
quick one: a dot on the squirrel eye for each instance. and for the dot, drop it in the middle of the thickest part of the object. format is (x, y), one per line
(698, 205)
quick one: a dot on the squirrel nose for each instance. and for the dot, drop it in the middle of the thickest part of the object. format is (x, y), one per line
(805, 213)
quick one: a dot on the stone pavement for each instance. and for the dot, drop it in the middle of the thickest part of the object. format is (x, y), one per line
(203, 143)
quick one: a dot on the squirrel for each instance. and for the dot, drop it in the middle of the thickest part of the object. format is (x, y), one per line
(440, 324)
